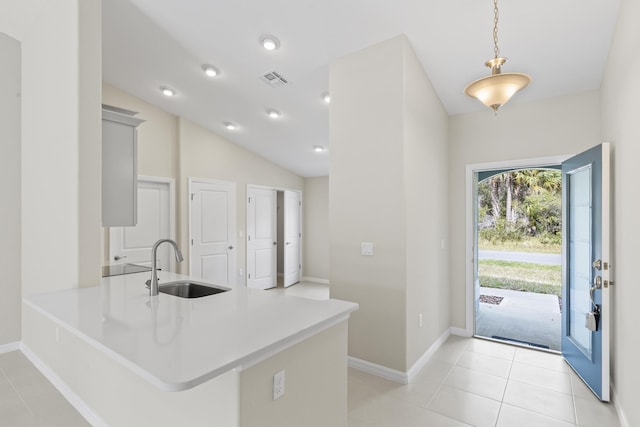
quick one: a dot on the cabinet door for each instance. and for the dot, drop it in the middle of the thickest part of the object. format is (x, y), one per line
(119, 174)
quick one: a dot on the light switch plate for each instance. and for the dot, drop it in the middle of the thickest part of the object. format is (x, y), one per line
(366, 248)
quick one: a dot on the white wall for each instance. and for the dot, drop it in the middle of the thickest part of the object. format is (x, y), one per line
(203, 154)
(553, 127)
(382, 136)
(315, 385)
(367, 205)
(426, 196)
(315, 234)
(60, 141)
(621, 126)
(10, 303)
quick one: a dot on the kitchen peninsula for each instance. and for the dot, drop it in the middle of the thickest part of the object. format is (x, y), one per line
(130, 359)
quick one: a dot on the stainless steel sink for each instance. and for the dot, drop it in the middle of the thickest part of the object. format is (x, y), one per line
(189, 289)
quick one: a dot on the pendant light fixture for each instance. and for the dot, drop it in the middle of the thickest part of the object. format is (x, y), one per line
(495, 90)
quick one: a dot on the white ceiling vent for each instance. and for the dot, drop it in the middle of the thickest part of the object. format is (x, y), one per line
(274, 79)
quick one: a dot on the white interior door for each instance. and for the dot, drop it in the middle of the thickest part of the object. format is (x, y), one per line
(213, 231)
(292, 235)
(132, 245)
(261, 238)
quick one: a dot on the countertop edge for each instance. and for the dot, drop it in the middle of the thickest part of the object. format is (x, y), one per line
(136, 369)
(240, 364)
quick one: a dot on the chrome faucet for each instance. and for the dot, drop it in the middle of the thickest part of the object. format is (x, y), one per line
(153, 286)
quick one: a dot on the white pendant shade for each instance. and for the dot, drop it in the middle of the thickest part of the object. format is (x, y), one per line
(496, 90)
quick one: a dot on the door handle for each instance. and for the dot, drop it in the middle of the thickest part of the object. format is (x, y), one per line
(597, 264)
(118, 257)
(288, 243)
(275, 243)
(597, 282)
(230, 247)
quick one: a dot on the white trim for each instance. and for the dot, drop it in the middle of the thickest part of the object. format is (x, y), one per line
(393, 374)
(460, 332)
(624, 422)
(315, 280)
(422, 360)
(471, 169)
(605, 318)
(75, 400)
(378, 370)
(9, 347)
(172, 207)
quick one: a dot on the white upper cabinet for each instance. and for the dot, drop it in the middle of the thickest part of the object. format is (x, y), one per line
(119, 167)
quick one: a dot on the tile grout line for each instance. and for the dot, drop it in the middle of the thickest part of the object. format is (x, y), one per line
(454, 364)
(573, 399)
(17, 393)
(504, 392)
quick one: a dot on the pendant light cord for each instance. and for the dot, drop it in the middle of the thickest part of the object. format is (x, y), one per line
(496, 49)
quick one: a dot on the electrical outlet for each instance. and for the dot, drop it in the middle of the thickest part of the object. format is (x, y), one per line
(278, 385)
(420, 320)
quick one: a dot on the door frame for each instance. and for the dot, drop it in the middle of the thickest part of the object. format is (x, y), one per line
(171, 182)
(470, 202)
(300, 217)
(191, 180)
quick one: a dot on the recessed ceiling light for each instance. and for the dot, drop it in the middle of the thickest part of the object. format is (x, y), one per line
(269, 42)
(167, 91)
(274, 114)
(325, 97)
(318, 148)
(210, 70)
(230, 126)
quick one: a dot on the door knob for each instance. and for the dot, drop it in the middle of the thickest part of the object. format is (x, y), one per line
(597, 282)
(288, 243)
(597, 264)
(230, 247)
(118, 257)
(275, 243)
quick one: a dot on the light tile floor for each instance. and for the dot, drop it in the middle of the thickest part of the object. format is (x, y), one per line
(27, 398)
(473, 382)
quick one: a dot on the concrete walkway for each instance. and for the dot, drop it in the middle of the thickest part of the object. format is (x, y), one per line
(532, 257)
(523, 317)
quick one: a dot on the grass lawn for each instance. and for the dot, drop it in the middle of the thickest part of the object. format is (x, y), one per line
(525, 245)
(520, 276)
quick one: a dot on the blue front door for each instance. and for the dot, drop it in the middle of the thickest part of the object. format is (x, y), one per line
(586, 267)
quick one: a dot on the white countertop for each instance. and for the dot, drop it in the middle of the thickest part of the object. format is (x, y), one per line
(177, 343)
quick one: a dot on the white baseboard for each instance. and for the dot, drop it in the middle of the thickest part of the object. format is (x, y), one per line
(12, 346)
(378, 370)
(460, 332)
(64, 389)
(315, 280)
(621, 415)
(422, 360)
(393, 374)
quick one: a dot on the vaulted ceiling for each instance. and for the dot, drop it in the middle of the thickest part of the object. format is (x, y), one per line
(147, 44)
